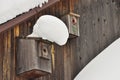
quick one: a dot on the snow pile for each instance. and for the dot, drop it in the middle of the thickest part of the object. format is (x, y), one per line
(106, 66)
(51, 28)
(11, 8)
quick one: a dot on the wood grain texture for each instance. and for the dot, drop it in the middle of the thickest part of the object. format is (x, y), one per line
(31, 59)
(1, 55)
(99, 26)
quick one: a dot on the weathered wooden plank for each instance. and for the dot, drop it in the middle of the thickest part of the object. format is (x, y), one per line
(16, 21)
(6, 57)
(116, 18)
(12, 56)
(1, 55)
(59, 63)
(16, 33)
(65, 7)
(67, 63)
(71, 5)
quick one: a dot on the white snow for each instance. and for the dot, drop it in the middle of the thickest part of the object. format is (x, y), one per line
(51, 28)
(11, 8)
(106, 66)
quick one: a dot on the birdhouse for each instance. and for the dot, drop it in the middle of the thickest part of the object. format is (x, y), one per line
(72, 22)
(33, 57)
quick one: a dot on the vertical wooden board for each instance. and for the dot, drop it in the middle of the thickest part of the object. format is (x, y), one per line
(106, 22)
(96, 26)
(57, 13)
(60, 67)
(73, 51)
(71, 2)
(82, 31)
(111, 31)
(65, 7)
(57, 63)
(12, 56)
(25, 28)
(76, 6)
(1, 55)
(85, 29)
(53, 9)
(29, 24)
(53, 62)
(22, 29)
(6, 57)
(61, 7)
(67, 63)
(116, 16)
(115, 19)
(14, 33)
(89, 34)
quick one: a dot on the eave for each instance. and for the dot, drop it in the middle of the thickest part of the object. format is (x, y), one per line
(11, 23)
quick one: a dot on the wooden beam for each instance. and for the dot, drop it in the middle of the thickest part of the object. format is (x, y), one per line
(17, 20)
(25, 16)
(50, 2)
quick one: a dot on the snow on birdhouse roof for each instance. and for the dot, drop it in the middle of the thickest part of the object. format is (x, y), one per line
(9, 9)
(51, 28)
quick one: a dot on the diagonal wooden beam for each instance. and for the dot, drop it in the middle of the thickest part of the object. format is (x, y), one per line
(17, 20)
(25, 16)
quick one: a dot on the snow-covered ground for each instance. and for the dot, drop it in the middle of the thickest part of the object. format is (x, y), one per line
(106, 66)
(11, 8)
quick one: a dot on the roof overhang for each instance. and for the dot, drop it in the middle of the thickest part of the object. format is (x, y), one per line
(11, 23)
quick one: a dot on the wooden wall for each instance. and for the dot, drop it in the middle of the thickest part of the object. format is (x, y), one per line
(99, 26)
(7, 50)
